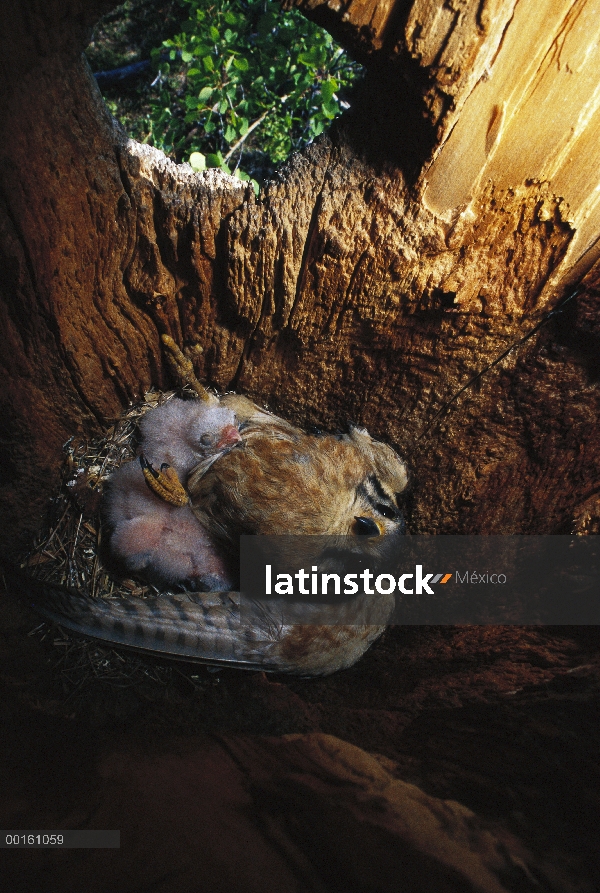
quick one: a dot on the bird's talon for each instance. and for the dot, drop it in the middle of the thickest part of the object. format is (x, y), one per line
(183, 368)
(164, 483)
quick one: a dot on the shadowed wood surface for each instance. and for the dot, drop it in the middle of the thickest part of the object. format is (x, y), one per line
(501, 722)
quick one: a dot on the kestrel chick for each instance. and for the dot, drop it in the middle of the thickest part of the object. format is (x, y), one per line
(157, 539)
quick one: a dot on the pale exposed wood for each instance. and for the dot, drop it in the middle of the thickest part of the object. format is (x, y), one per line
(513, 93)
(533, 116)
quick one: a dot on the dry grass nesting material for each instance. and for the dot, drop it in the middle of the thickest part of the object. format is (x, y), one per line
(67, 551)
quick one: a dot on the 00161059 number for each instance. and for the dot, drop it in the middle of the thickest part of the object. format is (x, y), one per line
(34, 839)
(83, 838)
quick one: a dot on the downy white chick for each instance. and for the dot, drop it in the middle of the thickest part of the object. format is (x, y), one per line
(183, 433)
(162, 542)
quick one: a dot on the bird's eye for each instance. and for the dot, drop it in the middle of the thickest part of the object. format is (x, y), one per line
(365, 527)
(206, 439)
(387, 511)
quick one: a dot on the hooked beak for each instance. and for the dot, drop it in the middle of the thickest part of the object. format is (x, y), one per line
(229, 437)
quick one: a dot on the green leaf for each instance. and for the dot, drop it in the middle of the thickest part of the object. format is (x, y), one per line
(241, 64)
(208, 63)
(186, 56)
(230, 134)
(205, 94)
(197, 161)
(328, 88)
(311, 58)
(214, 159)
(330, 109)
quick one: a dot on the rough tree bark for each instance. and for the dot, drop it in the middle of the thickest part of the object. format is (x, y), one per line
(386, 266)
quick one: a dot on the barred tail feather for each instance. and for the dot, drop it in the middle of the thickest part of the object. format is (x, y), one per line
(200, 627)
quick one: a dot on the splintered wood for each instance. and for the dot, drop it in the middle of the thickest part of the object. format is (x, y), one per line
(512, 91)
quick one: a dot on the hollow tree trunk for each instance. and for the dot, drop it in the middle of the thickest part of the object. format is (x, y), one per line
(443, 220)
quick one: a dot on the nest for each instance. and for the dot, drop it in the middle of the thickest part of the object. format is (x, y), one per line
(68, 552)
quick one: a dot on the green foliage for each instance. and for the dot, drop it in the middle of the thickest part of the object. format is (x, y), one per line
(245, 81)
